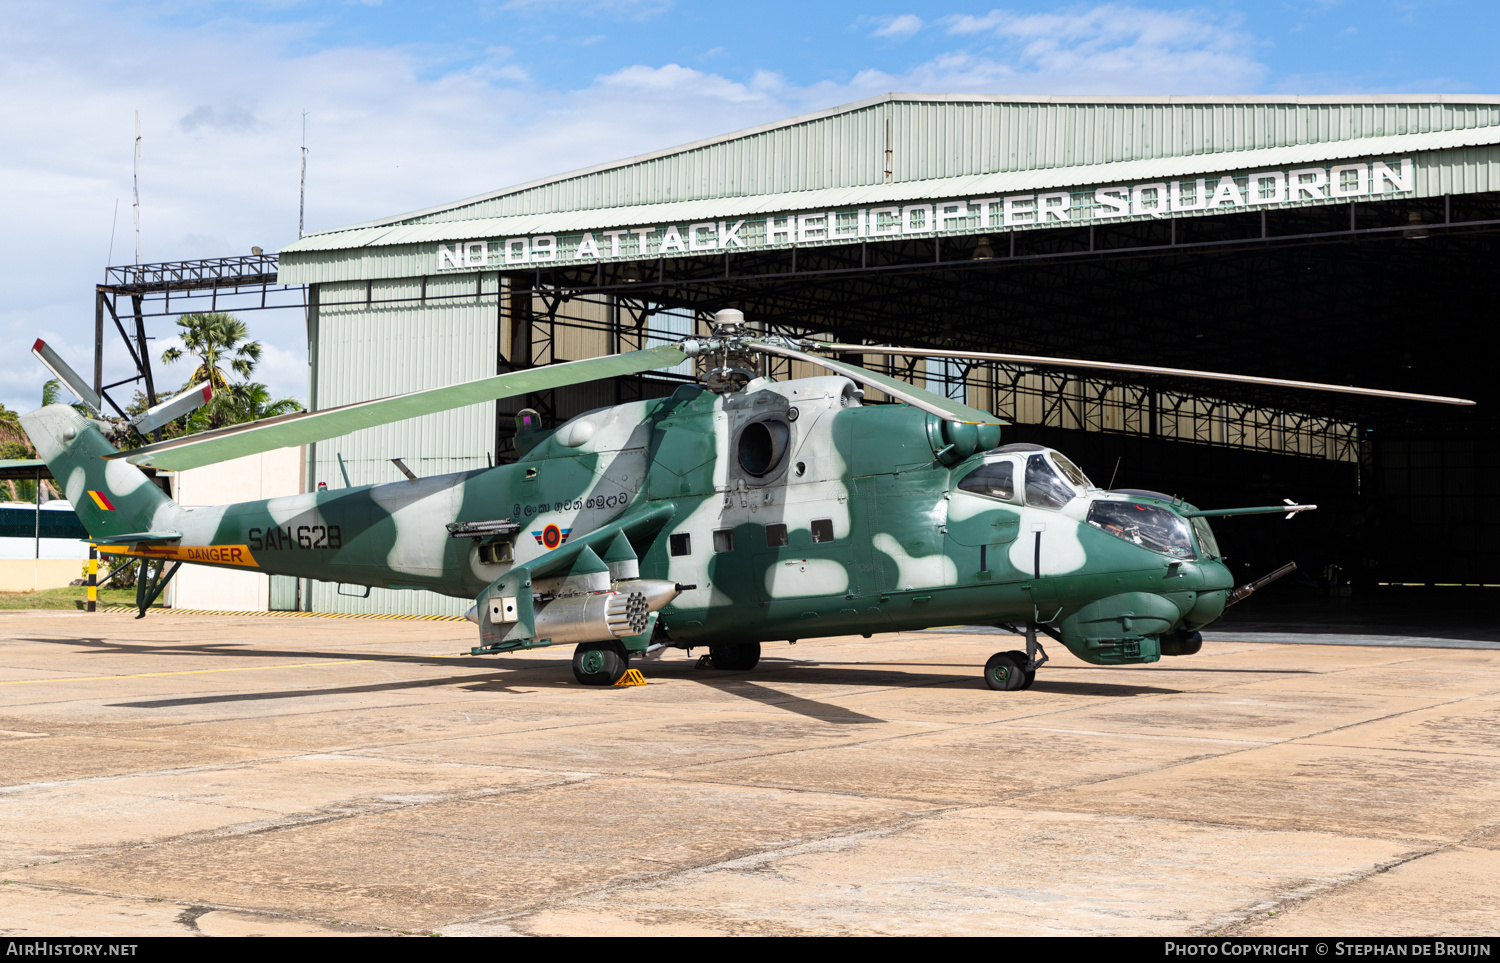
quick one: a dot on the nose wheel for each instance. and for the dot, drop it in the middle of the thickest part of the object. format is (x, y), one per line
(1015, 670)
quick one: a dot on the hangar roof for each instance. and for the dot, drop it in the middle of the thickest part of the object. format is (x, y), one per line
(904, 147)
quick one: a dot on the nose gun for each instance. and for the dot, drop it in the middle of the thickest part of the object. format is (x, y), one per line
(1249, 588)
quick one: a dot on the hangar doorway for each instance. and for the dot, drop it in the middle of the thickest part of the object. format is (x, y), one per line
(1393, 295)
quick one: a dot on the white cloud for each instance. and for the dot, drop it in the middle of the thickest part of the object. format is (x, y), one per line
(896, 28)
(397, 129)
(1124, 48)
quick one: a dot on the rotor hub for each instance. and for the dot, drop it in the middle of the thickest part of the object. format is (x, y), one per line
(731, 364)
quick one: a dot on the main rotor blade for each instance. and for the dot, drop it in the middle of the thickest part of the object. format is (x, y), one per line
(302, 428)
(945, 408)
(1045, 362)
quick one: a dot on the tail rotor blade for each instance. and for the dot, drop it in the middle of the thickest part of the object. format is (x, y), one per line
(60, 369)
(173, 408)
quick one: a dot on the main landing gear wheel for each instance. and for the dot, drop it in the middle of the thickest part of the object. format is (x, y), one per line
(599, 663)
(741, 657)
(1003, 672)
(1022, 659)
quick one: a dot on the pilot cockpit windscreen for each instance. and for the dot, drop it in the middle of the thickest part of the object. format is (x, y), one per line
(1071, 471)
(1044, 488)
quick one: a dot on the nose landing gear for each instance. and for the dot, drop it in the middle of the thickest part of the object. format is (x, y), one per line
(1015, 670)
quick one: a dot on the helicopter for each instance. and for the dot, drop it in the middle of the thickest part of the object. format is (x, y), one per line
(737, 511)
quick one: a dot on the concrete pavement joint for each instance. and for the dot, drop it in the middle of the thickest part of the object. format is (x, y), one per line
(1297, 854)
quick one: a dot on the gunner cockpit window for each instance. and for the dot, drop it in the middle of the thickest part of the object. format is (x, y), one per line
(1145, 525)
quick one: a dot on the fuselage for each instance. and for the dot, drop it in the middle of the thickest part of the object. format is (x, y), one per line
(797, 511)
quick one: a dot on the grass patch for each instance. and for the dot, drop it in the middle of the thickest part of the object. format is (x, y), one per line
(73, 597)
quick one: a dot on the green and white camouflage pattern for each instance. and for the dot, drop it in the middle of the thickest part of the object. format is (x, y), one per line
(780, 511)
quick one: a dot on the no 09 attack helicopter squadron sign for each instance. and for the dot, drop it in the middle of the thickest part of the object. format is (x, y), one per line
(1200, 195)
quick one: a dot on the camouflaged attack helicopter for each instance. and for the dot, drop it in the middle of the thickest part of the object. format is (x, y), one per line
(735, 512)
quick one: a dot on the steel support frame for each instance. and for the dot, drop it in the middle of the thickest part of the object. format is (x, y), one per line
(841, 289)
(233, 279)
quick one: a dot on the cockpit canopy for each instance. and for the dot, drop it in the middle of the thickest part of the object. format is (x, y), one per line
(1043, 477)
(1039, 477)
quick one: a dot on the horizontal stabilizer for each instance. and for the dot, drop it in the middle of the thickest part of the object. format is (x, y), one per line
(135, 537)
(55, 364)
(173, 408)
(236, 441)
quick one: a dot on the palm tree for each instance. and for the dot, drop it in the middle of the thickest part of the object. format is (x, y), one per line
(11, 431)
(251, 401)
(52, 391)
(215, 339)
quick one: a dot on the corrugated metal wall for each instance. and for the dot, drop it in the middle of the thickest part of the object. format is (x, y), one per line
(1449, 171)
(932, 139)
(372, 351)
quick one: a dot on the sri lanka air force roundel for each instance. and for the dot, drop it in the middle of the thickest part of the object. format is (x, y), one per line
(552, 536)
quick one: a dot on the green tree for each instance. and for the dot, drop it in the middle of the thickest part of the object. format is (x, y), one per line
(215, 340)
(52, 394)
(15, 445)
(11, 432)
(251, 401)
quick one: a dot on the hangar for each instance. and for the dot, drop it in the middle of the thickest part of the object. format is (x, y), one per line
(1342, 239)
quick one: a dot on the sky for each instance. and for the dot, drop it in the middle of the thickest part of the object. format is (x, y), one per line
(412, 104)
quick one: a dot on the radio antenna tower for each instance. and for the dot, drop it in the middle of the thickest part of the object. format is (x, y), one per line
(113, 220)
(137, 187)
(302, 200)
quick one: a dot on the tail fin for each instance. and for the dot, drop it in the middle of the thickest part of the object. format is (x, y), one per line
(112, 498)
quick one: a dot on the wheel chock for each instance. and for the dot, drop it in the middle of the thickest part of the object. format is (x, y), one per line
(704, 662)
(632, 677)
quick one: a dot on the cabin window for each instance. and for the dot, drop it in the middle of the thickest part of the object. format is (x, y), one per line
(681, 544)
(822, 529)
(724, 540)
(994, 480)
(775, 536)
